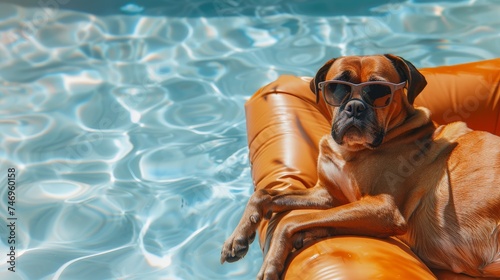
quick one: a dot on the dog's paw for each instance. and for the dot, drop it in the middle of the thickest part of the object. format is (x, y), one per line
(269, 271)
(235, 248)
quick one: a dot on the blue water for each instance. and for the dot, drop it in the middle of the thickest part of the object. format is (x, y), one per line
(126, 124)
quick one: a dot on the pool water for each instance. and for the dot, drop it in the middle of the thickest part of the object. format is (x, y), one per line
(126, 124)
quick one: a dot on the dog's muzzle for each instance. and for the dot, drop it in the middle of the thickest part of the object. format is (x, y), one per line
(355, 108)
(356, 123)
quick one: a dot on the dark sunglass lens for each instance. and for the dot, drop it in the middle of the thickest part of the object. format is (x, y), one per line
(336, 93)
(377, 95)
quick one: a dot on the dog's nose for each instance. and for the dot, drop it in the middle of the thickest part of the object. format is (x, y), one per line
(355, 108)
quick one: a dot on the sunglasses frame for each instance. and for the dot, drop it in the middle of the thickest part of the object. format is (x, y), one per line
(356, 88)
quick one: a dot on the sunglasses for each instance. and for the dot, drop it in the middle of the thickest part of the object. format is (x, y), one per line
(377, 94)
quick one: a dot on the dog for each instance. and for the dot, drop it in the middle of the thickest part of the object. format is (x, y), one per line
(387, 170)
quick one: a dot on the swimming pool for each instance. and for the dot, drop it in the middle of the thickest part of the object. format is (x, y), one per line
(125, 121)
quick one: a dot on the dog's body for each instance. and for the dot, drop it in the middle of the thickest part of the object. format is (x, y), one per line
(390, 172)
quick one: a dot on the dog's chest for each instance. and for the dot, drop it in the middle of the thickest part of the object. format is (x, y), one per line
(337, 176)
(366, 173)
(348, 177)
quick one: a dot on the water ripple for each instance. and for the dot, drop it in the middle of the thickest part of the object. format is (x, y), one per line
(205, 114)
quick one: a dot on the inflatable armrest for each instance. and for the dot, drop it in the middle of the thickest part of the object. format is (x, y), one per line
(466, 92)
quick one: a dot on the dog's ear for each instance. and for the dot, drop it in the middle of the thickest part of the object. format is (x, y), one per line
(320, 77)
(407, 71)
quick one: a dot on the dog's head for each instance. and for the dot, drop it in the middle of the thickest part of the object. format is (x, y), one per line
(368, 95)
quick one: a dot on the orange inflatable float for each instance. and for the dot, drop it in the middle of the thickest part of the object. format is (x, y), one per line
(284, 126)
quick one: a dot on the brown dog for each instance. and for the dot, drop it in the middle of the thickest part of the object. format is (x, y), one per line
(388, 170)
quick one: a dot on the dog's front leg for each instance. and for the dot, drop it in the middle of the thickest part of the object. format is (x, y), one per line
(371, 216)
(261, 205)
